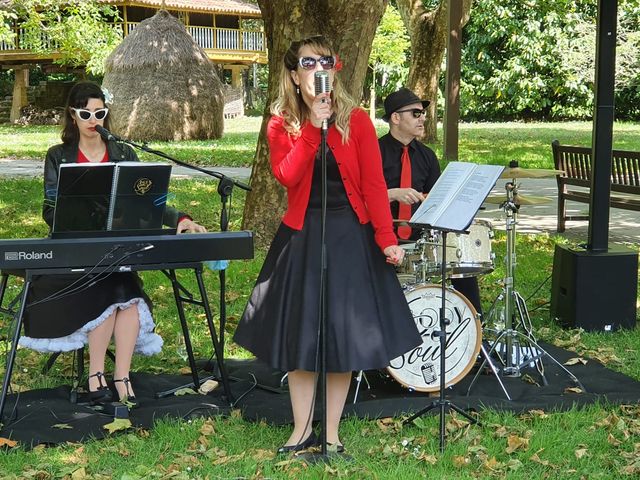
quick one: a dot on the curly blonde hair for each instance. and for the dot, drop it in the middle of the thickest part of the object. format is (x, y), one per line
(289, 104)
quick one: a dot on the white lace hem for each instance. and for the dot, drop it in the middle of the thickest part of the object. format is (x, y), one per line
(148, 342)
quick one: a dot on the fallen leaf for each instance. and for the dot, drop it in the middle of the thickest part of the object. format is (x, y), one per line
(227, 459)
(581, 452)
(613, 441)
(461, 461)
(63, 426)
(455, 423)
(262, 454)
(516, 443)
(388, 424)
(430, 459)
(514, 464)
(127, 403)
(575, 361)
(573, 390)
(79, 474)
(529, 379)
(535, 458)
(538, 413)
(491, 464)
(207, 429)
(5, 442)
(208, 386)
(118, 424)
(185, 391)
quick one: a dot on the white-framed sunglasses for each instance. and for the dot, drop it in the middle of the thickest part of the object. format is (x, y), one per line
(86, 115)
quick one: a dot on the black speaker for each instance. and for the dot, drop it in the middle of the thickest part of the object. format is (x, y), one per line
(595, 291)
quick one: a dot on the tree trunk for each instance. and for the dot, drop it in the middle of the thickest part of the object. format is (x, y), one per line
(285, 21)
(372, 95)
(428, 32)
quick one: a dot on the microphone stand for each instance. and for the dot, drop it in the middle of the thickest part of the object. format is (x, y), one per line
(225, 189)
(323, 456)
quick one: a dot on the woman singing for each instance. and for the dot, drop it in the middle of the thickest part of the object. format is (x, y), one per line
(368, 322)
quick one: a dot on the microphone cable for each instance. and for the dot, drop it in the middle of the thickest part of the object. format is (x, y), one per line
(63, 290)
(89, 282)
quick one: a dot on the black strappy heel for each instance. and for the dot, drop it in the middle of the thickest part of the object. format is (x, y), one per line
(131, 400)
(103, 393)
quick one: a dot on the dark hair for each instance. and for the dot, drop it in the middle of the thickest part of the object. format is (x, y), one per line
(79, 96)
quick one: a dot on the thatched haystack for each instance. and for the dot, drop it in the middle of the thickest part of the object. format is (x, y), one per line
(163, 84)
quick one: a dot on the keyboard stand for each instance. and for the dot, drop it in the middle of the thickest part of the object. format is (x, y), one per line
(181, 296)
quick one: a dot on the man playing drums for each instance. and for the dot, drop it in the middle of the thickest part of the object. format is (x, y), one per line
(411, 169)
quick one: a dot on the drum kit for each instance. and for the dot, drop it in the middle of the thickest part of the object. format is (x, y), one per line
(503, 340)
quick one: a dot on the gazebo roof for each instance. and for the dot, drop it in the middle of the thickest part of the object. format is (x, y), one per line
(214, 6)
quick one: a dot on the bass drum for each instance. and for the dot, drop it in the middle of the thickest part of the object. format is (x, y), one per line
(419, 369)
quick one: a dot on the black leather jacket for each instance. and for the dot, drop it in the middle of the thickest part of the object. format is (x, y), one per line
(68, 153)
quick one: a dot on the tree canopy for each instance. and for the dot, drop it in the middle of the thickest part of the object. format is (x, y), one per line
(535, 59)
(79, 31)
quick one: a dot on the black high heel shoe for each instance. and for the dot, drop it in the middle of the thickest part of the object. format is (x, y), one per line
(130, 400)
(311, 441)
(102, 394)
(335, 448)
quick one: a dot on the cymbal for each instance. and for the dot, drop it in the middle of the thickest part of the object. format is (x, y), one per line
(518, 199)
(519, 172)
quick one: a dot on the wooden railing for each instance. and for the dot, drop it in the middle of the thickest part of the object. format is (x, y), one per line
(206, 37)
(19, 40)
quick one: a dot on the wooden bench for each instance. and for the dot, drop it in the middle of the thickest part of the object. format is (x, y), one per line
(576, 164)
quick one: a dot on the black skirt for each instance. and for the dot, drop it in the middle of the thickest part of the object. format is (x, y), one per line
(48, 317)
(368, 320)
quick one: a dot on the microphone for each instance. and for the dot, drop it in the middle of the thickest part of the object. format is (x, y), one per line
(106, 134)
(321, 81)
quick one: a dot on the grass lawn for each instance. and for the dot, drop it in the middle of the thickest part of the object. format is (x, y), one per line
(600, 441)
(485, 143)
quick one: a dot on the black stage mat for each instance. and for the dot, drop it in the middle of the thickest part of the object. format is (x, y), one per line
(36, 413)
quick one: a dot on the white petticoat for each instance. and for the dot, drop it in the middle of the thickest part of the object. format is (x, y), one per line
(148, 342)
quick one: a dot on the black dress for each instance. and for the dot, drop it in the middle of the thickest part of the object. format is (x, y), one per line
(61, 310)
(368, 320)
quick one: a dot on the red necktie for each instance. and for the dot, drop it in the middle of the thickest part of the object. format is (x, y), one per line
(404, 212)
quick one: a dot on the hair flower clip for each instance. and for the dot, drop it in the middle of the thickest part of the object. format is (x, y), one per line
(108, 96)
(338, 66)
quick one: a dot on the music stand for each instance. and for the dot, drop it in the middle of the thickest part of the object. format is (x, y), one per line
(442, 403)
(450, 207)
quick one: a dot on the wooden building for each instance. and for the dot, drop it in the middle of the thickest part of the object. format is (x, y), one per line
(229, 31)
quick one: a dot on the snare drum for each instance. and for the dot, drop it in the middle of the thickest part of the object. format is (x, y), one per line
(419, 369)
(415, 264)
(468, 255)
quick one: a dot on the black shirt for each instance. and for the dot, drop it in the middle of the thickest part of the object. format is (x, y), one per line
(425, 168)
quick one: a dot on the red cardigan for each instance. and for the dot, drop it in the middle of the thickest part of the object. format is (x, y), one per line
(359, 163)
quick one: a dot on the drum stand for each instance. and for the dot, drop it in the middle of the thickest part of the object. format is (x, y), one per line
(520, 349)
(442, 404)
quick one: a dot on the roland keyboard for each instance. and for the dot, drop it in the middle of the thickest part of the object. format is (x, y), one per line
(124, 253)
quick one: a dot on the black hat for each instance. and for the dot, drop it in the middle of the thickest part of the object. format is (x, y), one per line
(396, 100)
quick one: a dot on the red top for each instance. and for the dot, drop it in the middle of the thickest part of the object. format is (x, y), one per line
(359, 163)
(83, 159)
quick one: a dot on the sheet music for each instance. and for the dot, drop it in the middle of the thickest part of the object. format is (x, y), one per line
(442, 192)
(457, 195)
